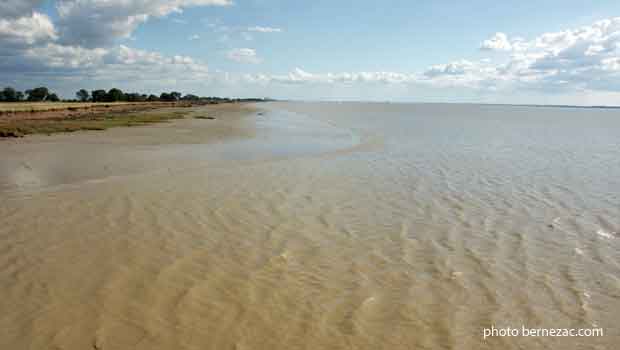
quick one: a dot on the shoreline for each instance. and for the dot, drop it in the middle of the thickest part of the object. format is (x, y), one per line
(88, 116)
(40, 161)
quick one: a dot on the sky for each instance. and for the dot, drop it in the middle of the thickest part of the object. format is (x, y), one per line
(542, 52)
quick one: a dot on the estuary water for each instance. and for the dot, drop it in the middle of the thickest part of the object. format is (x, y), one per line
(315, 226)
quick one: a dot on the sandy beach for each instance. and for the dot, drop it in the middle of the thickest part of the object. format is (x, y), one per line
(46, 160)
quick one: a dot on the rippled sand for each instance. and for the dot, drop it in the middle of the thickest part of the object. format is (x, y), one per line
(314, 226)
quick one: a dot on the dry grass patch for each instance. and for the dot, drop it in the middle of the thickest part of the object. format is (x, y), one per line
(20, 128)
(53, 106)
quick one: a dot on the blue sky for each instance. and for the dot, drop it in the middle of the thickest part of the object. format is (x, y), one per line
(437, 51)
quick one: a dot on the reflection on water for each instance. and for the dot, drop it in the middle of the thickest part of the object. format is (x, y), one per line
(316, 226)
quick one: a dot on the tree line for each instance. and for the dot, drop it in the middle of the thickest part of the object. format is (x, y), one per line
(41, 94)
(117, 95)
(8, 94)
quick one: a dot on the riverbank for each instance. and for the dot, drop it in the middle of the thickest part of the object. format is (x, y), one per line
(20, 119)
(42, 160)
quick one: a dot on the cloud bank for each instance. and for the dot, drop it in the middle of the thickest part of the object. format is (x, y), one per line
(581, 59)
(94, 23)
(81, 44)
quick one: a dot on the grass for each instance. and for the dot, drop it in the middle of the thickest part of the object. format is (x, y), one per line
(20, 128)
(54, 106)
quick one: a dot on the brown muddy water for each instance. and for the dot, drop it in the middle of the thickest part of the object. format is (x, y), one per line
(315, 226)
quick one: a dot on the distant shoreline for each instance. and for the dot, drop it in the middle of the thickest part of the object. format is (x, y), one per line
(457, 103)
(550, 106)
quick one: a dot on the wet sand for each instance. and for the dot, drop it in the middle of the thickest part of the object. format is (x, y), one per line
(308, 227)
(40, 161)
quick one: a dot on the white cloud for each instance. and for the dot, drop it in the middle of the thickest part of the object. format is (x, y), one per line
(26, 31)
(300, 76)
(481, 74)
(575, 58)
(66, 58)
(585, 58)
(578, 59)
(194, 37)
(243, 55)
(499, 42)
(118, 66)
(451, 69)
(93, 23)
(264, 29)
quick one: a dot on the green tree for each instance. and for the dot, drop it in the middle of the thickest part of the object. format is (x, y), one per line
(82, 95)
(115, 95)
(53, 97)
(190, 97)
(5, 95)
(135, 97)
(99, 95)
(175, 95)
(38, 94)
(153, 98)
(8, 95)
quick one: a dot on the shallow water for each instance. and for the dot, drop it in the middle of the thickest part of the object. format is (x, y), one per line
(316, 226)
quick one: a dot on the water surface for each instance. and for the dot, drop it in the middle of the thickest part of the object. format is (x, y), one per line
(315, 226)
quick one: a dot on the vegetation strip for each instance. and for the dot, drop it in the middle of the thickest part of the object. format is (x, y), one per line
(20, 128)
(40, 111)
(43, 94)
